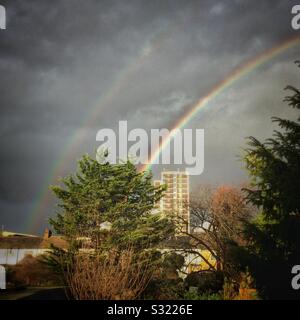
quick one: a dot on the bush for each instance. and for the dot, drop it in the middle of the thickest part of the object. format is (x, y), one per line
(207, 282)
(31, 272)
(164, 289)
(112, 276)
(204, 296)
(166, 283)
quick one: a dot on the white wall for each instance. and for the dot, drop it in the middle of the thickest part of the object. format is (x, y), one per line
(2, 278)
(13, 256)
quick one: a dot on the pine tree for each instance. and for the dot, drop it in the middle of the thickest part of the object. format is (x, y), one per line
(108, 209)
(111, 204)
(274, 237)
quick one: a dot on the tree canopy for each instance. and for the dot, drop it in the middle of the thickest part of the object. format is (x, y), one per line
(274, 238)
(111, 204)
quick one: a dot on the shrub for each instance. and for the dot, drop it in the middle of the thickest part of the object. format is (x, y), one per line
(206, 282)
(111, 276)
(204, 296)
(31, 272)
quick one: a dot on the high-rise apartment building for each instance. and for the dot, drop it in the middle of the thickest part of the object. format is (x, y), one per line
(176, 198)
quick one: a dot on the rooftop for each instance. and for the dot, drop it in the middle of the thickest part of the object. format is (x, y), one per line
(13, 240)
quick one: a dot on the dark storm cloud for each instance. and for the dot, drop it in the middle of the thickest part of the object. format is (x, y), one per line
(59, 58)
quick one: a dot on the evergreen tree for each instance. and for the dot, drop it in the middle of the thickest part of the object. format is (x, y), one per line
(109, 209)
(111, 205)
(274, 237)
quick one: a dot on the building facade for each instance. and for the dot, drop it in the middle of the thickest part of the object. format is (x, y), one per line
(176, 198)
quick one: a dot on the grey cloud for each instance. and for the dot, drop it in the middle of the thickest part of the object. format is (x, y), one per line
(60, 59)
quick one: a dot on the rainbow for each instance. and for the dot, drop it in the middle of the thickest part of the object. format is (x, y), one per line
(150, 46)
(231, 79)
(43, 197)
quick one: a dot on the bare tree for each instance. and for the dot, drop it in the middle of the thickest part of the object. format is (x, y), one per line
(216, 220)
(111, 276)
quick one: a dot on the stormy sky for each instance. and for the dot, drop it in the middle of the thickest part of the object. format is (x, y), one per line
(71, 67)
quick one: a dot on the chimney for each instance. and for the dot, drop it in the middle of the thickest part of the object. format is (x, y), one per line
(47, 233)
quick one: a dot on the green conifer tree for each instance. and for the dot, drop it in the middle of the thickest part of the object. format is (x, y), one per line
(112, 205)
(274, 237)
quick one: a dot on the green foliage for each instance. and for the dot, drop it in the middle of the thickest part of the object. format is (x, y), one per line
(203, 296)
(166, 283)
(105, 207)
(274, 238)
(209, 282)
(101, 192)
(58, 260)
(173, 261)
(162, 288)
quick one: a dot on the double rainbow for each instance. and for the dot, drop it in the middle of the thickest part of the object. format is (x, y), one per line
(43, 197)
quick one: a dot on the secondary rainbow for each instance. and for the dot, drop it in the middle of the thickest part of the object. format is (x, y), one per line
(151, 45)
(233, 77)
(121, 81)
